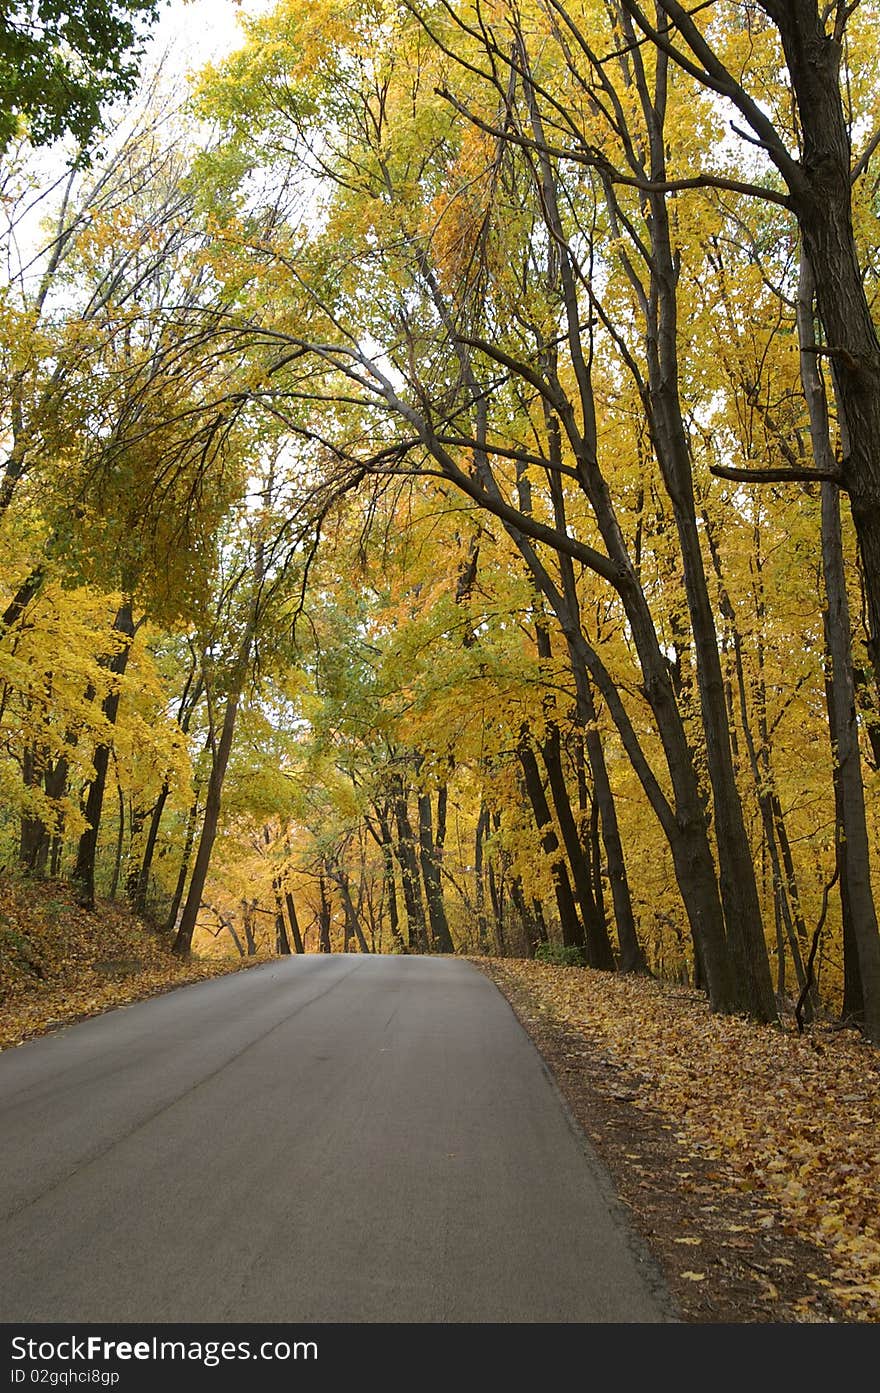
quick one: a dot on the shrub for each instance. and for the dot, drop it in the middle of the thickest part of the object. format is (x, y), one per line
(559, 956)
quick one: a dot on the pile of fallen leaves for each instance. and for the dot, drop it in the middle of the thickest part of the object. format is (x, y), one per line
(60, 963)
(787, 1119)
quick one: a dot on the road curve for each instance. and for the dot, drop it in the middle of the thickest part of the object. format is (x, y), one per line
(320, 1139)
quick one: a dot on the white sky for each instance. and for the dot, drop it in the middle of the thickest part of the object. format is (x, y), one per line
(197, 31)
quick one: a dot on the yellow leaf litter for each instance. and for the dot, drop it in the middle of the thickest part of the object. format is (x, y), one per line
(59, 963)
(796, 1116)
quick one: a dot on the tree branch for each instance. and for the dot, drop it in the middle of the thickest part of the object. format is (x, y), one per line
(777, 476)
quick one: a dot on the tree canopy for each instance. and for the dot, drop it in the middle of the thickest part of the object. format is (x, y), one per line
(446, 447)
(61, 63)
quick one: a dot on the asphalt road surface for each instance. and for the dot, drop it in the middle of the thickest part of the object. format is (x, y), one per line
(320, 1139)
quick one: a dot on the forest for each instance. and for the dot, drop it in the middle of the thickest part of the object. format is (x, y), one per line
(440, 498)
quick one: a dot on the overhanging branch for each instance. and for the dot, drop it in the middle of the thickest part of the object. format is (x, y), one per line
(777, 476)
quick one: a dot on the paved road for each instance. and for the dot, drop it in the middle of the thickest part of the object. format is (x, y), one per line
(322, 1139)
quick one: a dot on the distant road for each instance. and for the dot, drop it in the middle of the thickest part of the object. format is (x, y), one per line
(325, 1138)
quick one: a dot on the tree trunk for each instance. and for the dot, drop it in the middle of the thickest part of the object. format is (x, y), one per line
(496, 900)
(572, 931)
(183, 941)
(428, 857)
(353, 927)
(84, 871)
(409, 871)
(33, 832)
(853, 996)
(860, 923)
(227, 924)
(282, 942)
(786, 901)
(482, 831)
(189, 839)
(294, 922)
(822, 200)
(247, 919)
(739, 890)
(137, 818)
(324, 914)
(55, 784)
(686, 827)
(530, 929)
(856, 865)
(632, 958)
(386, 842)
(597, 943)
(120, 841)
(188, 704)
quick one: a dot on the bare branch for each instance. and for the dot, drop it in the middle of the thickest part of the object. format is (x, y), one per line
(777, 476)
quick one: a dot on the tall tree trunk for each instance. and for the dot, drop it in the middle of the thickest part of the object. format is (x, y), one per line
(856, 865)
(353, 928)
(247, 920)
(409, 871)
(853, 996)
(530, 930)
(739, 890)
(572, 931)
(592, 844)
(632, 957)
(120, 842)
(496, 899)
(294, 922)
(55, 784)
(188, 703)
(137, 818)
(282, 942)
(84, 871)
(480, 835)
(685, 826)
(428, 857)
(786, 900)
(33, 831)
(386, 843)
(56, 855)
(821, 196)
(324, 914)
(189, 840)
(597, 943)
(142, 884)
(219, 764)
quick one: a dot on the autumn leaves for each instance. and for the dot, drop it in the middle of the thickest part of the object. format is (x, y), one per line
(492, 301)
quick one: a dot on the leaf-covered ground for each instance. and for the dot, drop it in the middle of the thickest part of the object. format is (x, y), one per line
(747, 1155)
(60, 963)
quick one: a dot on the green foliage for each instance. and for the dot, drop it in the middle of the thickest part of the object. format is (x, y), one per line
(60, 62)
(560, 956)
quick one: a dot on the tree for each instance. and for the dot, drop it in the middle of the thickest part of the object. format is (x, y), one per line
(448, 352)
(61, 63)
(825, 50)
